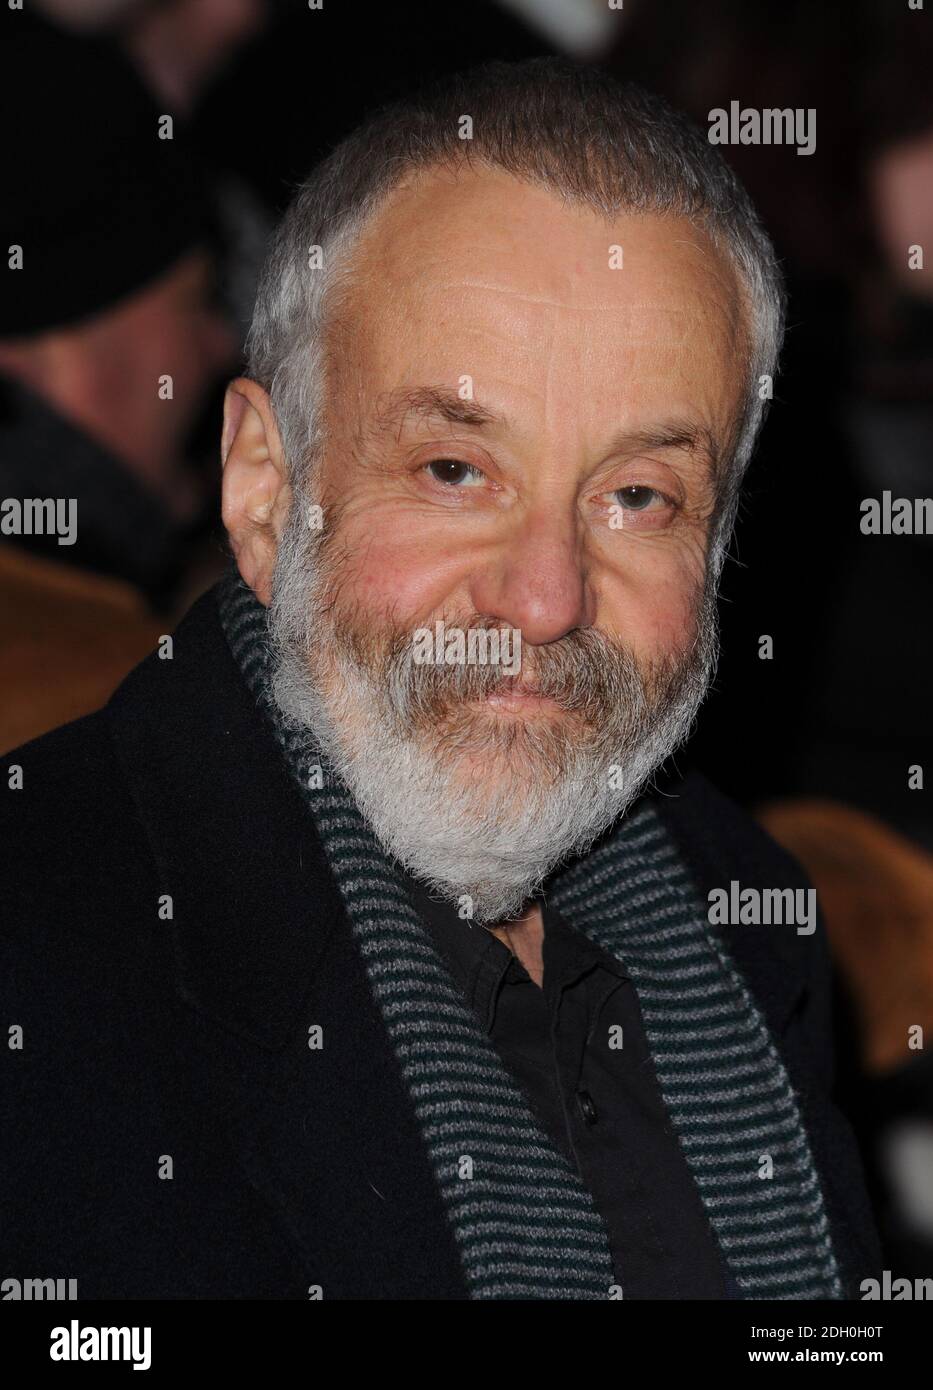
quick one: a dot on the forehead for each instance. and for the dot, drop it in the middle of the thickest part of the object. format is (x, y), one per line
(479, 274)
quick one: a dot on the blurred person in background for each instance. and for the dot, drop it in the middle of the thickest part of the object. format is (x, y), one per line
(179, 48)
(111, 340)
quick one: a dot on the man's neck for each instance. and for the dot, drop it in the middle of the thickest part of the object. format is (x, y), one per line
(524, 937)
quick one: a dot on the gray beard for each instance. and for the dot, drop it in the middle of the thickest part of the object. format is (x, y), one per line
(478, 807)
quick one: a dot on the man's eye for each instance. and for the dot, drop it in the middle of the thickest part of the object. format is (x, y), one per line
(452, 471)
(635, 499)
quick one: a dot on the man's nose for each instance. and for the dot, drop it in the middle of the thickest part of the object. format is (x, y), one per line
(537, 580)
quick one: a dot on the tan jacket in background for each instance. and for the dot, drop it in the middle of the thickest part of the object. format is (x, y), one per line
(67, 639)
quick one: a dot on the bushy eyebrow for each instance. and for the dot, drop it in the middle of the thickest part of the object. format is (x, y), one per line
(692, 438)
(440, 402)
(432, 402)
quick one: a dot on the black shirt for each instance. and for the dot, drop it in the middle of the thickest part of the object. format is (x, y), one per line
(578, 1049)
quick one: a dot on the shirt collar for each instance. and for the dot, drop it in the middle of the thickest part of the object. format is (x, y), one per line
(479, 961)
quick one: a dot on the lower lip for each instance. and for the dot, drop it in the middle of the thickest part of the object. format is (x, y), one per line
(523, 703)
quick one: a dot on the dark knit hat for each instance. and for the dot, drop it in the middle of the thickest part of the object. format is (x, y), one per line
(99, 203)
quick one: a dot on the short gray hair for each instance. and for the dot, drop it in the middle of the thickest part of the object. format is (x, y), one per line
(569, 128)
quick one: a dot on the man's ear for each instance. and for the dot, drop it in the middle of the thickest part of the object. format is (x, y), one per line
(256, 494)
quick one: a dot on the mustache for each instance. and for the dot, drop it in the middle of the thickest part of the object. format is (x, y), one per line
(586, 673)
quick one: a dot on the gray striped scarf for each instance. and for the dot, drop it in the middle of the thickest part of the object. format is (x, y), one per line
(525, 1224)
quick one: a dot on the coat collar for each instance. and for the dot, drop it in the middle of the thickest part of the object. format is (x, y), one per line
(263, 949)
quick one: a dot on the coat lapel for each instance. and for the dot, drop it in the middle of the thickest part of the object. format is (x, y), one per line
(719, 844)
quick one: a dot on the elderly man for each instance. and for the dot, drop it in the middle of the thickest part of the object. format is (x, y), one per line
(352, 956)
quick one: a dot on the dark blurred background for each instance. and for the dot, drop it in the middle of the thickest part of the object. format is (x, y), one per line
(141, 252)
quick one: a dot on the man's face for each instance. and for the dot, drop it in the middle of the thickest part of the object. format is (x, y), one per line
(105, 372)
(174, 326)
(525, 409)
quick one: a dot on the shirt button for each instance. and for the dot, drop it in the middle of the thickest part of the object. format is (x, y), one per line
(587, 1108)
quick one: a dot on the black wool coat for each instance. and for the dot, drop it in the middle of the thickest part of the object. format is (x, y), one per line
(152, 1046)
